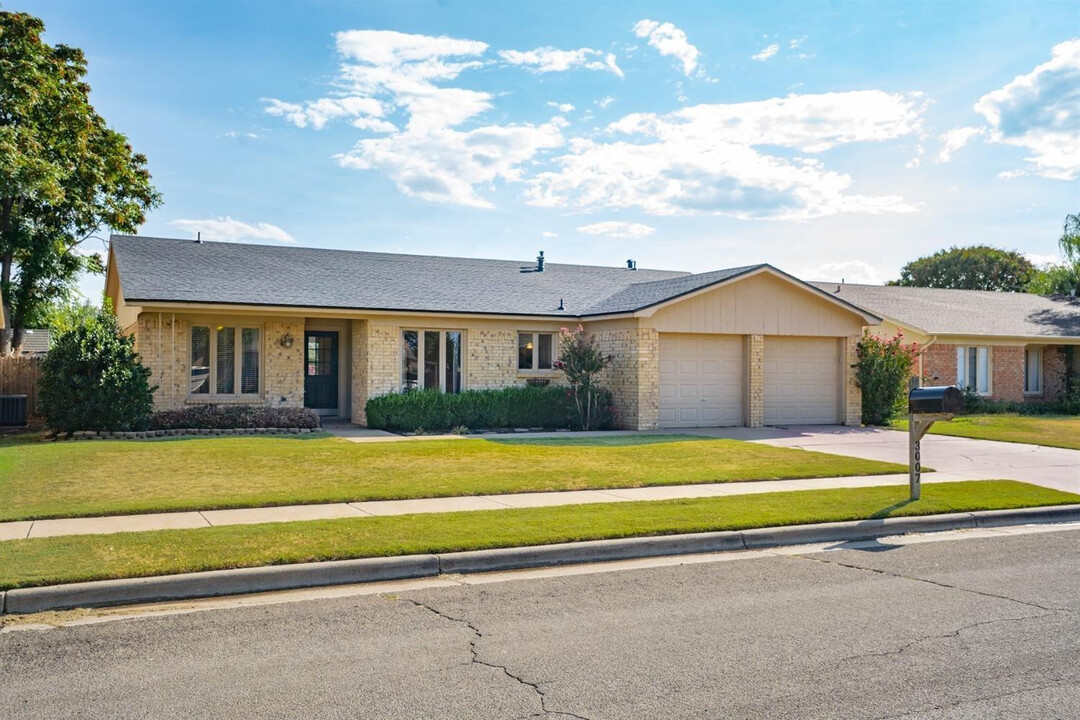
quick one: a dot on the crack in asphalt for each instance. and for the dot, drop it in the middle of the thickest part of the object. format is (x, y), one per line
(475, 651)
(941, 636)
(936, 583)
(1059, 682)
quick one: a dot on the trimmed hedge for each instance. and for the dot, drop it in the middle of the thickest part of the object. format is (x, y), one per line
(229, 417)
(975, 404)
(548, 407)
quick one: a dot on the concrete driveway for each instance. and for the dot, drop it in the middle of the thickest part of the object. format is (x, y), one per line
(962, 457)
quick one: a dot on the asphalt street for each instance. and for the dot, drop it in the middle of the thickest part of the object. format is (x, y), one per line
(973, 628)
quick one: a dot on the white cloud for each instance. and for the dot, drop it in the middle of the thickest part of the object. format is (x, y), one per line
(712, 158)
(426, 154)
(319, 112)
(446, 165)
(796, 42)
(1043, 259)
(852, 271)
(1011, 174)
(1040, 112)
(618, 229)
(562, 107)
(766, 53)
(955, 139)
(669, 40)
(605, 101)
(238, 134)
(549, 234)
(225, 229)
(551, 59)
(387, 47)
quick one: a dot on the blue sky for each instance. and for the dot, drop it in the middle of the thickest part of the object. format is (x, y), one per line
(832, 140)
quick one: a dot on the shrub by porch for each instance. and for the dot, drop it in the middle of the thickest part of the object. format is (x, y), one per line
(512, 407)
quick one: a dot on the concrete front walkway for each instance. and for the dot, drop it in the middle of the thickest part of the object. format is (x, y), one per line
(290, 513)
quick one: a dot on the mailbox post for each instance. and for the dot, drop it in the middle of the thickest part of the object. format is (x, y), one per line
(927, 405)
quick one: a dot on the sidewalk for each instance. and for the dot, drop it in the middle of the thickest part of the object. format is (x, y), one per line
(246, 516)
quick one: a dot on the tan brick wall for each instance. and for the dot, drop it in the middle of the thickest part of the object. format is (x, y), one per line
(755, 380)
(852, 414)
(633, 376)
(283, 367)
(165, 348)
(376, 364)
(491, 359)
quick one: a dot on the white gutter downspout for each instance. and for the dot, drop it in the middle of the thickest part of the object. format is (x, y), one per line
(172, 364)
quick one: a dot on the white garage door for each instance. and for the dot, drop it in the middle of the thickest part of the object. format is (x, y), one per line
(802, 381)
(701, 380)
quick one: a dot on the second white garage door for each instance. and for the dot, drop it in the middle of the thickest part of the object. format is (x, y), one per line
(802, 381)
(701, 380)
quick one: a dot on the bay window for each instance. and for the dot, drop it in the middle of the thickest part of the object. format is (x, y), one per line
(536, 351)
(431, 359)
(225, 360)
(973, 369)
(1033, 370)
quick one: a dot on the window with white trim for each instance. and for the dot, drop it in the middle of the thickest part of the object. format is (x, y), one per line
(432, 359)
(225, 360)
(973, 369)
(1033, 370)
(536, 351)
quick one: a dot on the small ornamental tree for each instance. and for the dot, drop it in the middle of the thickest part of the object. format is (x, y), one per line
(581, 361)
(92, 379)
(882, 373)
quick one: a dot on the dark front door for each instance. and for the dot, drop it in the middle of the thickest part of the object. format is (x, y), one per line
(321, 370)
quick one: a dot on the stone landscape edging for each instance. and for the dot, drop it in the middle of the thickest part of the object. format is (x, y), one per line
(344, 572)
(178, 432)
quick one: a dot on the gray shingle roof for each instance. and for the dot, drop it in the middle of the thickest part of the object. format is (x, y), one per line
(168, 270)
(966, 312)
(644, 294)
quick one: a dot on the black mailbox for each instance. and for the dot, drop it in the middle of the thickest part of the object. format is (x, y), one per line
(943, 399)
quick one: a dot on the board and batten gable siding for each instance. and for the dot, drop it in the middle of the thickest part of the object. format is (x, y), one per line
(762, 304)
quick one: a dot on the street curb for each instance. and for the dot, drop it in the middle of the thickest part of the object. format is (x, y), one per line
(218, 582)
(343, 572)
(589, 551)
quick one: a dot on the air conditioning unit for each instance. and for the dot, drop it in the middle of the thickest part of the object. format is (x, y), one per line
(12, 409)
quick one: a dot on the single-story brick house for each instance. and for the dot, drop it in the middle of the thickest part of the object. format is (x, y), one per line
(222, 323)
(1004, 346)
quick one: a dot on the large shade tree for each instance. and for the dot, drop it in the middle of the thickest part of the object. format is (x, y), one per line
(979, 267)
(64, 174)
(1062, 278)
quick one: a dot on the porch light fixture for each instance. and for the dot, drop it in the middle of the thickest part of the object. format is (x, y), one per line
(286, 340)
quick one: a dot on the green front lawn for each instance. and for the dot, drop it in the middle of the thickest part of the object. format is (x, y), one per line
(48, 561)
(103, 477)
(1051, 430)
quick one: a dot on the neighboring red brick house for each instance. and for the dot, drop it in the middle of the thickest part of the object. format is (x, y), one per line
(1005, 346)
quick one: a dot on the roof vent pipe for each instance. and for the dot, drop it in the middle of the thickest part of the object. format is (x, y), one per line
(540, 262)
(198, 237)
(631, 264)
(561, 307)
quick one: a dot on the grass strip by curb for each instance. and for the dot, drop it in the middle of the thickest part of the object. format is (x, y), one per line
(106, 477)
(50, 561)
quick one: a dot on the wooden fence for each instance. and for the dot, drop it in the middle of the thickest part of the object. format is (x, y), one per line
(19, 376)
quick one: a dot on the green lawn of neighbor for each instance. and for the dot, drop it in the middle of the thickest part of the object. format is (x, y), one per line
(1053, 430)
(47, 561)
(102, 477)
